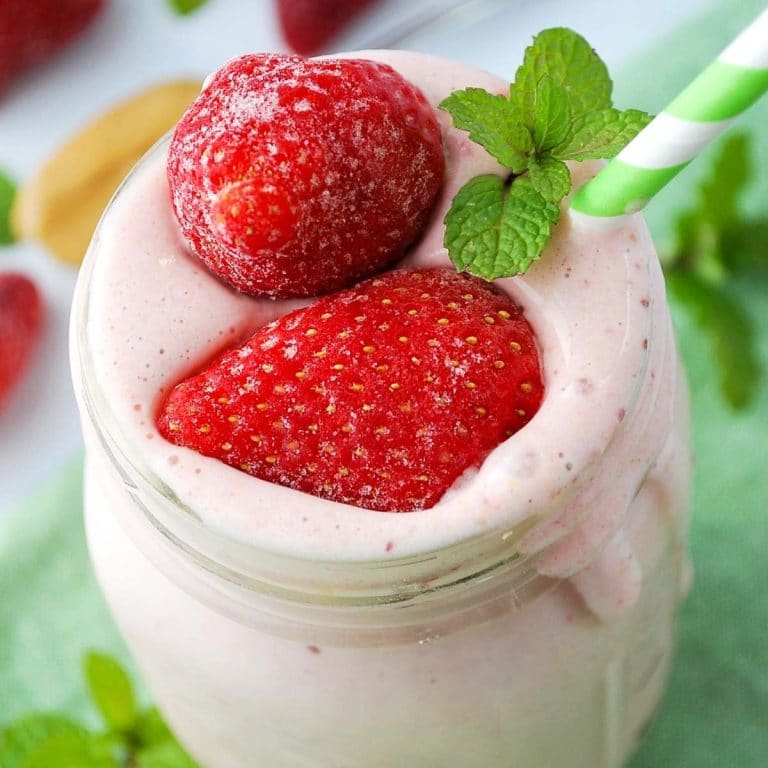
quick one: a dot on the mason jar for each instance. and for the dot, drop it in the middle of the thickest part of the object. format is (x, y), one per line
(527, 619)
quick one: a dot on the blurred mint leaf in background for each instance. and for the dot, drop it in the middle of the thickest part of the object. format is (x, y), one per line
(714, 243)
(71, 750)
(134, 738)
(185, 7)
(151, 729)
(745, 249)
(52, 741)
(720, 195)
(7, 194)
(559, 108)
(167, 755)
(111, 691)
(25, 738)
(701, 229)
(730, 333)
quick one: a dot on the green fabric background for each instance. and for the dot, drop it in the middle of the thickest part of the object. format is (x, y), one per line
(716, 710)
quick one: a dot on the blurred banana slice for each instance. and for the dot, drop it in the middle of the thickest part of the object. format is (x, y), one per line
(61, 205)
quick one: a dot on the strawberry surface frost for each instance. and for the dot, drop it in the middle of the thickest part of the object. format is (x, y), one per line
(294, 177)
(379, 396)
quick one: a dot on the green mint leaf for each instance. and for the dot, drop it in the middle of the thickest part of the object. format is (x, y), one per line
(550, 178)
(185, 7)
(570, 61)
(167, 755)
(25, 737)
(552, 115)
(52, 741)
(7, 194)
(492, 122)
(151, 729)
(731, 334)
(706, 236)
(497, 230)
(685, 245)
(745, 246)
(71, 750)
(715, 241)
(720, 194)
(700, 248)
(602, 133)
(111, 691)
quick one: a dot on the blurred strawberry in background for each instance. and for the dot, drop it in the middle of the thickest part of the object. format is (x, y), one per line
(307, 25)
(21, 310)
(33, 30)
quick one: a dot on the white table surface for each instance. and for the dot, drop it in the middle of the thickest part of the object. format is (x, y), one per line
(139, 42)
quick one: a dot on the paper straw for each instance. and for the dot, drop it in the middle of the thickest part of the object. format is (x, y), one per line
(725, 89)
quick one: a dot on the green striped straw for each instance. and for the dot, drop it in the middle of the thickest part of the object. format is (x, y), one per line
(725, 89)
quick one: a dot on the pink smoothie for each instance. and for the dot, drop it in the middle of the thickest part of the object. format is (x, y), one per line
(593, 490)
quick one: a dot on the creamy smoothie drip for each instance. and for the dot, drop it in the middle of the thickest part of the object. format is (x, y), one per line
(595, 299)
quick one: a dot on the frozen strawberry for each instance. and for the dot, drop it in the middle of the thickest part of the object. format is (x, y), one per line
(379, 396)
(308, 25)
(292, 177)
(20, 321)
(33, 30)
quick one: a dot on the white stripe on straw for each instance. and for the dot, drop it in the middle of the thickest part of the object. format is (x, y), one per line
(670, 140)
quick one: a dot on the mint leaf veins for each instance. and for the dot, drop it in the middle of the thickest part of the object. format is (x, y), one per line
(570, 62)
(602, 134)
(559, 109)
(492, 226)
(492, 122)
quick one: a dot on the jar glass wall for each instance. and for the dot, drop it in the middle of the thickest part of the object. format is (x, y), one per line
(530, 614)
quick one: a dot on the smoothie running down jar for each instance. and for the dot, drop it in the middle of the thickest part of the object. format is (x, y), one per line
(527, 618)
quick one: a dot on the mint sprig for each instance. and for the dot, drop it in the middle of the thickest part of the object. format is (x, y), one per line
(559, 109)
(132, 737)
(715, 243)
(7, 195)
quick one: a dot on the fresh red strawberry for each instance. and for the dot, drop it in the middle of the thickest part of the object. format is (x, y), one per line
(308, 25)
(378, 396)
(33, 30)
(21, 311)
(292, 177)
